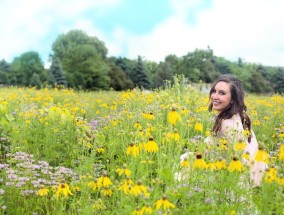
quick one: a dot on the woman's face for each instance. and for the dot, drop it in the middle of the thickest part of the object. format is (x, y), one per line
(221, 96)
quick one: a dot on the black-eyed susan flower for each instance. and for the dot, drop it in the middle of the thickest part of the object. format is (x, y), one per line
(93, 184)
(137, 211)
(151, 145)
(107, 192)
(123, 170)
(211, 165)
(147, 209)
(198, 127)
(173, 116)
(221, 164)
(138, 189)
(184, 163)
(137, 125)
(164, 203)
(240, 146)
(235, 165)
(43, 192)
(132, 150)
(103, 181)
(199, 163)
(271, 174)
(126, 185)
(246, 156)
(262, 156)
(63, 189)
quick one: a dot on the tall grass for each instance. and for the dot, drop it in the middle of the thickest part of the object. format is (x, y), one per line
(67, 152)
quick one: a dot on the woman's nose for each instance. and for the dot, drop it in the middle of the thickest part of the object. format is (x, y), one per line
(214, 96)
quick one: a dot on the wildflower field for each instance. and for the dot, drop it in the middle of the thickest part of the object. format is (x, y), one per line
(68, 152)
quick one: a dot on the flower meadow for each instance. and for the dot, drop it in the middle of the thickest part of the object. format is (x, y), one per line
(73, 152)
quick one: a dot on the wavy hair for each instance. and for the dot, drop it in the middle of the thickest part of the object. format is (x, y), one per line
(237, 105)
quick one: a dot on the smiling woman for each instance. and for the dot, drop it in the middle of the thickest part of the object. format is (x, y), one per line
(232, 126)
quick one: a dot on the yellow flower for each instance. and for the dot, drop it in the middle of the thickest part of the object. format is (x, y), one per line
(198, 127)
(63, 189)
(199, 163)
(271, 174)
(221, 164)
(132, 150)
(101, 150)
(184, 163)
(235, 165)
(123, 170)
(43, 192)
(107, 192)
(103, 181)
(246, 156)
(163, 202)
(151, 145)
(262, 156)
(138, 189)
(147, 161)
(137, 212)
(147, 209)
(93, 184)
(137, 125)
(99, 205)
(174, 117)
(281, 152)
(211, 166)
(240, 146)
(126, 185)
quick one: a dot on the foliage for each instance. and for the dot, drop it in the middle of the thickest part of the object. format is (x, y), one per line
(25, 66)
(139, 75)
(56, 74)
(83, 60)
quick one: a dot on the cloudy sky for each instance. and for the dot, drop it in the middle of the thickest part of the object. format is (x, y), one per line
(250, 29)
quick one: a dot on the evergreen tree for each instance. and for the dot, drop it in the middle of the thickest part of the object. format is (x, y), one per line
(35, 81)
(139, 75)
(55, 74)
(279, 81)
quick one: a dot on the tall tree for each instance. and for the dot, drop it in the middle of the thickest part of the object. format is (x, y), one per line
(165, 73)
(55, 74)
(25, 66)
(4, 72)
(83, 59)
(139, 75)
(279, 80)
(35, 81)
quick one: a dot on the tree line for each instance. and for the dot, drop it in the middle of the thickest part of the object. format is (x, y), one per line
(80, 61)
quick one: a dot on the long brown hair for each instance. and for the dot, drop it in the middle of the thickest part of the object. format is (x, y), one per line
(237, 105)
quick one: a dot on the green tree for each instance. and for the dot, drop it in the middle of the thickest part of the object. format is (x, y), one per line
(35, 81)
(278, 81)
(139, 75)
(25, 66)
(118, 79)
(165, 73)
(4, 72)
(55, 74)
(83, 59)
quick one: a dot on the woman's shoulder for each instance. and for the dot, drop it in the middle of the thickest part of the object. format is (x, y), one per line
(233, 122)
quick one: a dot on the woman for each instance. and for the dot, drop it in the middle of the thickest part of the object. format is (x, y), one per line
(232, 123)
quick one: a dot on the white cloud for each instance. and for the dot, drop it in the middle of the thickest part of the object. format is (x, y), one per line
(251, 30)
(24, 24)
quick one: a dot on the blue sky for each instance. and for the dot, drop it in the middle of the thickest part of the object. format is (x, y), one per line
(250, 29)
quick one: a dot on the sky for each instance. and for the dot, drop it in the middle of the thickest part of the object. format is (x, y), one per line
(252, 30)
